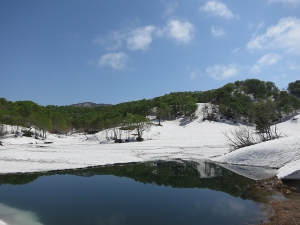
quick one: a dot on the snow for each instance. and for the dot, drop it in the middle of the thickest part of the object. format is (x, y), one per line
(283, 153)
(179, 138)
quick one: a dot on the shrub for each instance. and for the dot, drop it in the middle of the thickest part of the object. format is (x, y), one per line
(118, 141)
(139, 139)
(92, 131)
(27, 133)
(241, 137)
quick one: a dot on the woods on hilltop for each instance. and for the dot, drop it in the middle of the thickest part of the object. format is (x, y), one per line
(250, 101)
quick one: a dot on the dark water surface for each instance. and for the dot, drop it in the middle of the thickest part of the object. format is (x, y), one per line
(147, 193)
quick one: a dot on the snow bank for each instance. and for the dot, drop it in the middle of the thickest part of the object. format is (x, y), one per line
(290, 170)
(283, 153)
(274, 154)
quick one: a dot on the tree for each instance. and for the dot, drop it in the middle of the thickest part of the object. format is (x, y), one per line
(107, 126)
(97, 124)
(264, 112)
(59, 124)
(294, 88)
(233, 107)
(295, 103)
(140, 123)
(223, 109)
(287, 109)
(116, 125)
(272, 90)
(245, 104)
(255, 87)
(189, 108)
(162, 111)
(143, 107)
(128, 125)
(27, 108)
(148, 126)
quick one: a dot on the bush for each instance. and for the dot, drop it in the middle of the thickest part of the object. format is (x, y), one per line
(118, 141)
(139, 139)
(92, 131)
(27, 133)
(241, 137)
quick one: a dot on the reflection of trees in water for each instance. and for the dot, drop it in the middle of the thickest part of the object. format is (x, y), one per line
(18, 179)
(176, 174)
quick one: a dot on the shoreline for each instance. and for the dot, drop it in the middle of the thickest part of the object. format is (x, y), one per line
(284, 211)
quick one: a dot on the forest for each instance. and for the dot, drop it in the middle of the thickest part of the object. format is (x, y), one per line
(250, 101)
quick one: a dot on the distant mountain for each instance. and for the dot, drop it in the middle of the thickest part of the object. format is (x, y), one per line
(89, 104)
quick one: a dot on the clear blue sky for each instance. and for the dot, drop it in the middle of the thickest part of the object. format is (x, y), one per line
(68, 51)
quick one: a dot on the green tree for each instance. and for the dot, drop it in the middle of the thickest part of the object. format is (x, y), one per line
(59, 123)
(140, 123)
(264, 112)
(162, 111)
(294, 88)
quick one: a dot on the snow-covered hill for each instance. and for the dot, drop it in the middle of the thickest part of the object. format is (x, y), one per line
(179, 138)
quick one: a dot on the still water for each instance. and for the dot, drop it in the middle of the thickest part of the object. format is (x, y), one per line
(146, 193)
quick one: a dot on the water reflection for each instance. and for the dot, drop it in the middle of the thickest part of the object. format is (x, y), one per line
(176, 192)
(9, 215)
(184, 174)
(176, 174)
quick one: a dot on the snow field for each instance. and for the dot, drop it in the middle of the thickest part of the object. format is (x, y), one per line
(179, 138)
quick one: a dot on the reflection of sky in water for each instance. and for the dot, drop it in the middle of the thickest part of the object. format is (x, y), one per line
(225, 207)
(217, 206)
(9, 215)
(111, 200)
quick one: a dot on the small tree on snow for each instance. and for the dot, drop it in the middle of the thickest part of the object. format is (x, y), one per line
(141, 123)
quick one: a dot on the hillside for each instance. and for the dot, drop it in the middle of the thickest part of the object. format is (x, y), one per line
(175, 139)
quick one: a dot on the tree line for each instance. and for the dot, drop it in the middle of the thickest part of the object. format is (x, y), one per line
(251, 100)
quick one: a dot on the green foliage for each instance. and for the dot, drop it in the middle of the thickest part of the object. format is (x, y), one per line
(294, 88)
(179, 103)
(235, 100)
(141, 123)
(162, 111)
(59, 123)
(264, 113)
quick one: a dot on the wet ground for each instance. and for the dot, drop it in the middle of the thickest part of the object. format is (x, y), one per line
(284, 211)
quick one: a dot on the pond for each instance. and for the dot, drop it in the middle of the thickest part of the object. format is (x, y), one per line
(176, 192)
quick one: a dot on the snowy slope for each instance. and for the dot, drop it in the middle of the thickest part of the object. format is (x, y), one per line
(283, 153)
(179, 138)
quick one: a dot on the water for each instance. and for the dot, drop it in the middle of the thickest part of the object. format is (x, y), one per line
(147, 193)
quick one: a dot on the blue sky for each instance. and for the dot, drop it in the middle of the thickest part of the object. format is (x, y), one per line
(62, 52)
